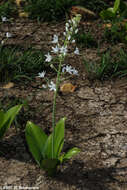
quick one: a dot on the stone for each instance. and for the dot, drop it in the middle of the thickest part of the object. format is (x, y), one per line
(87, 93)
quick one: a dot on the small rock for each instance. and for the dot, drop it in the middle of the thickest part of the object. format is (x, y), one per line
(87, 93)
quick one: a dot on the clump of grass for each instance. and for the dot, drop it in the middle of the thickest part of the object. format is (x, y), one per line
(108, 67)
(117, 32)
(85, 39)
(95, 5)
(7, 102)
(55, 10)
(18, 63)
(8, 9)
(47, 9)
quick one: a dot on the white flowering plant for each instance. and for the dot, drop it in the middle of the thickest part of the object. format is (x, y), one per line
(46, 150)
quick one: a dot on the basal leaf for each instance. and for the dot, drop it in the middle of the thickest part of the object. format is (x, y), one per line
(58, 141)
(107, 14)
(116, 6)
(36, 140)
(50, 165)
(59, 137)
(47, 151)
(11, 113)
(71, 153)
(1, 118)
(7, 118)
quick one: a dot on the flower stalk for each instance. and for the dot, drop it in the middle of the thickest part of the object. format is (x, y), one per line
(54, 105)
(70, 28)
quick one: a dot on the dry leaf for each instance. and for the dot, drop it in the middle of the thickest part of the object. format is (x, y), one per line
(23, 14)
(81, 10)
(18, 2)
(67, 87)
(108, 25)
(9, 85)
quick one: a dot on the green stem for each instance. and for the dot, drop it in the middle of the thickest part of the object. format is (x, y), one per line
(54, 105)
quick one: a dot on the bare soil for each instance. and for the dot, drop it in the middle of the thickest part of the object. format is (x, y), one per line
(96, 121)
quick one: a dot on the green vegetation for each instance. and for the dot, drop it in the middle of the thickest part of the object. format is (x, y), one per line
(49, 10)
(7, 118)
(118, 10)
(18, 63)
(109, 66)
(85, 40)
(40, 145)
(8, 9)
(117, 32)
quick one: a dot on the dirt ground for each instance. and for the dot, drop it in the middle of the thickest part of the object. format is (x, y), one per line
(96, 122)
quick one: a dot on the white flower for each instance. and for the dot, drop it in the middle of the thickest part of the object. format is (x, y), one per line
(76, 31)
(69, 37)
(69, 69)
(73, 41)
(2, 42)
(55, 39)
(48, 57)
(74, 22)
(4, 19)
(55, 49)
(42, 74)
(76, 51)
(71, 29)
(63, 69)
(74, 71)
(8, 35)
(52, 86)
(63, 50)
(66, 28)
(67, 25)
(64, 33)
(70, 21)
(44, 86)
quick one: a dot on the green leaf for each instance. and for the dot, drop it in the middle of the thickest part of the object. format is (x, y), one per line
(36, 140)
(71, 153)
(110, 10)
(126, 38)
(47, 151)
(107, 14)
(58, 140)
(50, 165)
(11, 113)
(59, 137)
(1, 118)
(116, 6)
(7, 118)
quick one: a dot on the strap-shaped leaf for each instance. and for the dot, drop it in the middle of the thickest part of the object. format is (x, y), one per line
(50, 165)
(7, 118)
(47, 151)
(116, 6)
(58, 140)
(71, 153)
(11, 113)
(107, 14)
(1, 118)
(59, 137)
(36, 140)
